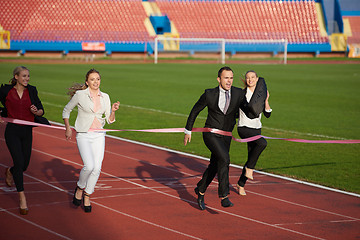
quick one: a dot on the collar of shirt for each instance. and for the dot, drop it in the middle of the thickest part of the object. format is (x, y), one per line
(91, 96)
(222, 98)
(222, 91)
(248, 94)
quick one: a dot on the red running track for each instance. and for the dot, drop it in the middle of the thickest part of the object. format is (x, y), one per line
(147, 193)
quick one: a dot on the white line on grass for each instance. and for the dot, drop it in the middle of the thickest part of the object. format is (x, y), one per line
(236, 166)
(200, 117)
(207, 159)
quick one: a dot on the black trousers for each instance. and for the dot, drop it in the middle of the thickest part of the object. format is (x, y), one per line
(219, 163)
(18, 139)
(255, 148)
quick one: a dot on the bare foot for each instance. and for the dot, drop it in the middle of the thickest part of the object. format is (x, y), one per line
(79, 193)
(87, 200)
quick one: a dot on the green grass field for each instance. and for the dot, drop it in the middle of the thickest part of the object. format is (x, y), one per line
(319, 101)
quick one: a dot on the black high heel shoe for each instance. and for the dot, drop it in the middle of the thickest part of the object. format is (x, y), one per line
(76, 202)
(200, 199)
(87, 209)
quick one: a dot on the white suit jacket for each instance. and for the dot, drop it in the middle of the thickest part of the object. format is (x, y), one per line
(86, 114)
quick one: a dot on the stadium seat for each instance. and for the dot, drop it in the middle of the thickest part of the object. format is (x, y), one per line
(63, 20)
(355, 29)
(292, 20)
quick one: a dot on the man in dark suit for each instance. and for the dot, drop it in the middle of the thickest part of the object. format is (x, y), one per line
(223, 104)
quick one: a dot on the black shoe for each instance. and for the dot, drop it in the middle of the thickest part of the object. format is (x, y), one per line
(226, 202)
(76, 202)
(200, 199)
(87, 209)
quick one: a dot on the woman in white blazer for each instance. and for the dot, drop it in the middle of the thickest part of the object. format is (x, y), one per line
(92, 104)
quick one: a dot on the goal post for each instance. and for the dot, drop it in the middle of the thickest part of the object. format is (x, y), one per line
(218, 45)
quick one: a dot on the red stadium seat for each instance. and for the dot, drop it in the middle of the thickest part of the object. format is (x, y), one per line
(355, 29)
(74, 20)
(123, 20)
(245, 19)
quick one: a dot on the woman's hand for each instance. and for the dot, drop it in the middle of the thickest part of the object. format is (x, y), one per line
(115, 106)
(68, 133)
(187, 138)
(34, 110)
(267, 105)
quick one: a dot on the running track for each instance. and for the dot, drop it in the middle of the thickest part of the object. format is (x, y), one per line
(147, 193)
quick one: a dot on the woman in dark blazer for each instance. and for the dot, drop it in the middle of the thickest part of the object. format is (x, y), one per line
(20, 101)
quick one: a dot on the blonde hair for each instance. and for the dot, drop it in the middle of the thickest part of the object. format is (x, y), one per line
(75, 87)
(16, 72)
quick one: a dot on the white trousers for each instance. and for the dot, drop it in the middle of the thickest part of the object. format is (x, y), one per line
(91, 147)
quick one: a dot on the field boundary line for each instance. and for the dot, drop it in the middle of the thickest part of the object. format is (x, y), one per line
(200, 117)
(237, 166)
(172, 196)
(232, 165)
(169, 195)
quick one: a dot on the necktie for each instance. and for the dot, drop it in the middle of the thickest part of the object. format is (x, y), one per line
(227, 101)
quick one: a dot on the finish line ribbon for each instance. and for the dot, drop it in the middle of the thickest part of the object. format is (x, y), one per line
(175, 130)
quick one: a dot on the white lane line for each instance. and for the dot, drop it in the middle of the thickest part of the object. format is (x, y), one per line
(34, 224)
(188, 174)
(96, 203)
(30, 222)
(313, 223)
(235, 166)
(176, 197)
(304, 206)
(191, 201)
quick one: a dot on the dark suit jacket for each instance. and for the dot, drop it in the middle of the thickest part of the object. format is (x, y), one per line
(257, 102)
(4, 90)
(216, 118)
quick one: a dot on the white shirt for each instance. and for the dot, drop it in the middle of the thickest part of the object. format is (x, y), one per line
(222, 98)
(244, 121)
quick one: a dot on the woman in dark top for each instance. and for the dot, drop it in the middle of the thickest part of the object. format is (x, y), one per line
(20, 101)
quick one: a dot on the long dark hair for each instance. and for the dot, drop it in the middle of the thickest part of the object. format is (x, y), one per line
(78, 86)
